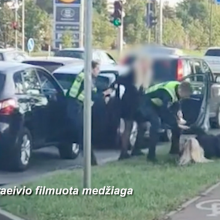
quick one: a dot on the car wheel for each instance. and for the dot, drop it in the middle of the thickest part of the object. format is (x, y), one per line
(69, 151)
(166, 136)
(20, 155)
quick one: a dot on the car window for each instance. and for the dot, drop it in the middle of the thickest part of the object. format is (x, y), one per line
(65, 80)
(70, 53)
(2, 81)
(164, 70)
(213, 52)
(47, 83)
(19, 85)
(186, 68)
(31, 82)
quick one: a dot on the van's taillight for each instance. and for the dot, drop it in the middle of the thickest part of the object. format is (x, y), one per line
(179, 70)
(8, 106)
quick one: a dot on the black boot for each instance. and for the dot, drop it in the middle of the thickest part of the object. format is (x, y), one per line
(124, 155)
(152, 147)
(174, 150)
(93, 159)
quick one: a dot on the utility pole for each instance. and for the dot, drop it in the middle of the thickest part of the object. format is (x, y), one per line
(87, 101)
(16, 22)
(210, 23)
(23, 25)
(161, 23)
(149, 28)
(120, 38)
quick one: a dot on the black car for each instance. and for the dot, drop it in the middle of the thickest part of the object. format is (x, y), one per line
(32, 114)
(52, 63)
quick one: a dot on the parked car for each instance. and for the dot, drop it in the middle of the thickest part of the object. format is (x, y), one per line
(79, 53)
(11, 54)
(32, 114)
(107, 117)
(212, 57)
(51, 63)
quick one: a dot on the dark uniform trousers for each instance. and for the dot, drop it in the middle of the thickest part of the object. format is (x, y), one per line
(153, 114)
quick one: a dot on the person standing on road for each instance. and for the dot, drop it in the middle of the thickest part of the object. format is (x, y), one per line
(138, 78)
(157, 105)
(75, 103)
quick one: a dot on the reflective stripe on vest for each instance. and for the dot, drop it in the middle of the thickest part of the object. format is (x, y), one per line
(170, 87)
(74, 90)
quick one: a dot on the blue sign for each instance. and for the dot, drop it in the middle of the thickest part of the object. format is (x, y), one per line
(30, 44)
(217, 2)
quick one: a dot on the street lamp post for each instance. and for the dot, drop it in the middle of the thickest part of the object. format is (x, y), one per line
(87, 88)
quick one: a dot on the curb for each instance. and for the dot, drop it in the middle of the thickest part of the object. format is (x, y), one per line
(8, 216)
(189, 202)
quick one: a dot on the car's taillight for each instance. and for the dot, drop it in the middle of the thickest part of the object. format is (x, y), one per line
(179, 75)
(8, 106)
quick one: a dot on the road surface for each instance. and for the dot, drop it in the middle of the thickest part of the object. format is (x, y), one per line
(47, 160)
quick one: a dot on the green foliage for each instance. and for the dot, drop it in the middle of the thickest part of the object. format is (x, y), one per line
(187, 25)
(104, 32)
(67, 39)
(46, 5)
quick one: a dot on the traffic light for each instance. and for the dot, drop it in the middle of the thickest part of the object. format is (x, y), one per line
(117, 15)
(151, 18)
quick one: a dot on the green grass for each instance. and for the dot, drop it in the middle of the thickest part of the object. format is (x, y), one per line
(198, 53)
(158, 189)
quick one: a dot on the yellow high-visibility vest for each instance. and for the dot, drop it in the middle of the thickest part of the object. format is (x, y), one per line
(74, 90)
(170, 87)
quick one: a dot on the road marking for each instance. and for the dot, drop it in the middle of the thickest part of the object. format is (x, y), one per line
(210, 205)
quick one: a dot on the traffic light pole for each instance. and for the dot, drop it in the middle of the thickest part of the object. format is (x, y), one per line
(120, 38)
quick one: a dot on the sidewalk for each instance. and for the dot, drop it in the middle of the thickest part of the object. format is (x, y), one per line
(206, 207)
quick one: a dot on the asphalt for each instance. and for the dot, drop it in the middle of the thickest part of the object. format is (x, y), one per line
(206, 207)
(47, 160)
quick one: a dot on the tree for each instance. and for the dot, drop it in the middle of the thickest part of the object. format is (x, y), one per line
(37, 23)
(46, 5)
(173, 32)
(67, 39)
(189, 10)
(135, 30)
(103, 31)
(7, 34)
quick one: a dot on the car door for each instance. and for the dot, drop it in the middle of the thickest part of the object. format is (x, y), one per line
(37, 106)
(56, 123)
(196, 108)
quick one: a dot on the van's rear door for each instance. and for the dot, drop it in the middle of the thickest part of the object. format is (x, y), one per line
(197, 107)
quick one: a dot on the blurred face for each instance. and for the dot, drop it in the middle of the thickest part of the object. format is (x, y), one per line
(96, 70)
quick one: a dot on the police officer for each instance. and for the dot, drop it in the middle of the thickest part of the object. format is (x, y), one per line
(76, 98)
(161, 103)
